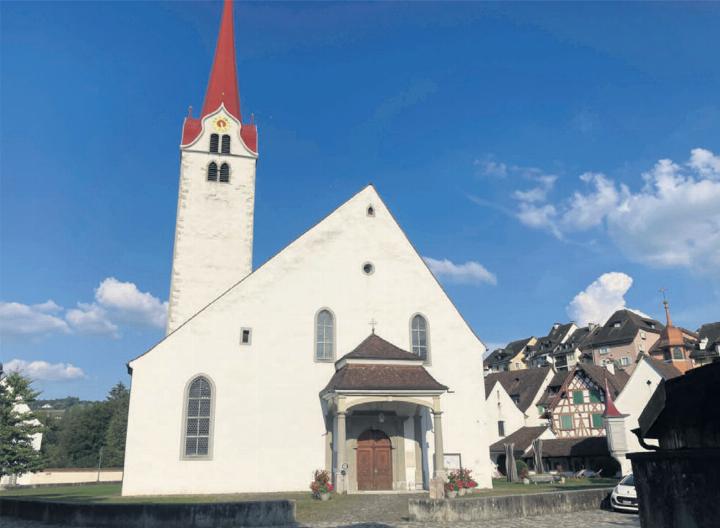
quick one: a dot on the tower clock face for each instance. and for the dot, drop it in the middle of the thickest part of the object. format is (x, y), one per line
(221, 123)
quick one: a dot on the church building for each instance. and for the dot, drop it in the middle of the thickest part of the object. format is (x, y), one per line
(340, 352)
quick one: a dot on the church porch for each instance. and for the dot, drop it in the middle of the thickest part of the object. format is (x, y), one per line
(383, 420)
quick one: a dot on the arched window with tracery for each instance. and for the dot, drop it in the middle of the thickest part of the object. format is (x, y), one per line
(324, 336)
(198, 411)
(419, 336)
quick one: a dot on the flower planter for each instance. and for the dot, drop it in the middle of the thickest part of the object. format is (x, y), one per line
(461, 492)
(452, 494)
(324, 496)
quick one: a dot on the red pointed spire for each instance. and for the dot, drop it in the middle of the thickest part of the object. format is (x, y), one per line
(223, 86)
(610, 409)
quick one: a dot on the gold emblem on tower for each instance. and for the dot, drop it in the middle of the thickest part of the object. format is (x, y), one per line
(221, 123)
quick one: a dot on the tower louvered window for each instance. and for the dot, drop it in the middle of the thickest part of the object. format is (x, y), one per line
(197, 426)
(224, 173)
(226, 144)
(212, 171)
(214, 142)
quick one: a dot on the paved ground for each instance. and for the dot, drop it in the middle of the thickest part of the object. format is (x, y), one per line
(588, 519)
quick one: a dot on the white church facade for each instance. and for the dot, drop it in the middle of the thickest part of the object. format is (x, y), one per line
(340, 352)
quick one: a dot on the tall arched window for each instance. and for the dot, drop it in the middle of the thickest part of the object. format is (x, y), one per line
(224, 173)
(212, 171)
(225, 144)
(324, 336)
(197, 423)
(419, 336)
(214, 142)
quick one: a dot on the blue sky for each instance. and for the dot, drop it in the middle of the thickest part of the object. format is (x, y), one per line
(519, 142)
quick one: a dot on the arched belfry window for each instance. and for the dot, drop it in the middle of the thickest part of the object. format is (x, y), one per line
(419, 336)
(198, 416)
(212, 171)
(324, 336)
(224, 173)
(225, 144)
(214, 142)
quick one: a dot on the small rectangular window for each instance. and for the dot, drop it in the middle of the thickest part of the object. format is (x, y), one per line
(566, 422)
(678, 353)
(578, 397)
(597, 421)
(245, 336)
(595, 396)
(501, 428)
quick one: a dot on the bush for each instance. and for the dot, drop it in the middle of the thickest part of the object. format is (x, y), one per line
(522, 469)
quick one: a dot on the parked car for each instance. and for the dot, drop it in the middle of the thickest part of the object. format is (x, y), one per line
(624, 496)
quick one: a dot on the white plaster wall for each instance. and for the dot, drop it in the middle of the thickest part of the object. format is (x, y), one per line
(268, 427)
(633, 399)
(533, 418)
(67, 476)
(214, 228)
(499, 406)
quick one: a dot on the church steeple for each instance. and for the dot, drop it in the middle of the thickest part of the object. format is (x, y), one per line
(222, 87)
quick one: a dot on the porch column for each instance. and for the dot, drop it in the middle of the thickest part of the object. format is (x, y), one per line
(340, 479)
(439, 469)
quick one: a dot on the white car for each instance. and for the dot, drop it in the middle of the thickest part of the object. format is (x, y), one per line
(624, 496)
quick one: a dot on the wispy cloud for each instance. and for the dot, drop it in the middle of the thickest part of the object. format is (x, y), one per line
(470, 272)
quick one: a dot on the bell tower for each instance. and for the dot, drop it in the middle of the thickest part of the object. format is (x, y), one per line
(214, 226)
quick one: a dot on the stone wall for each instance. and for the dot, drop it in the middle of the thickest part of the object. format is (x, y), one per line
(218, 515)
(678, 489)
(487, 508)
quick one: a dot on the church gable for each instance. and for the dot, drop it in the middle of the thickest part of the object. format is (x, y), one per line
(360, 249)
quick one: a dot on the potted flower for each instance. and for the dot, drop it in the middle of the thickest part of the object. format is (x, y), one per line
(321, 487)
(451, 489)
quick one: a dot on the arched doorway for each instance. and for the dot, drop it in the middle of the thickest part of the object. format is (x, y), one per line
(374, 461)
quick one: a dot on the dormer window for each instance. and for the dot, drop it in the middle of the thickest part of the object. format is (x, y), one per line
(616, 324)
(214, 141)
(226, 144)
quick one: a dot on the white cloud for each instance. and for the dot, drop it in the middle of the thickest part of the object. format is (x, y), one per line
(91, 319)
(23, 319)
(673, 221)
(470, 272)
(599, 300)
(545, 183)
(489, 167)
(42, 370)
(128, 303)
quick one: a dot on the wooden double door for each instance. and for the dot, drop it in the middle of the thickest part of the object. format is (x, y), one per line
(374, 461)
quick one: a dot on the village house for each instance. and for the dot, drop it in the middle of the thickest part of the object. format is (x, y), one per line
(630, 403)
(707, 348)
(512, 357)
(623, 336)
(540, 354)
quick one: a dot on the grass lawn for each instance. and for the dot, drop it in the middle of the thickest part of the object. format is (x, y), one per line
(342, 508)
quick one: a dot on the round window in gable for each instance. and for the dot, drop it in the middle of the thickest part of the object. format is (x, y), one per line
(368, 268)
(370, 210)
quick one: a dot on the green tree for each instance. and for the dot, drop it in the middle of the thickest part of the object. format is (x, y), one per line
(17, 427)
(119, 402)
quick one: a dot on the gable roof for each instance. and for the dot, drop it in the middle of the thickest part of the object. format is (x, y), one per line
(570, 447)
(375, 347)
(522, 438)
(598, 375)
(666, 370)
(545, 345)
(575, 341)
(621, 327)
(265, 264)
(523, 384)
(503, 355)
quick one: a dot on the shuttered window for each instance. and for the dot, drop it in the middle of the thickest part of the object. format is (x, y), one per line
(597, 421)
(225, 144)
(197, 426)
(212, 171)
(224, 173)
(213, 142)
